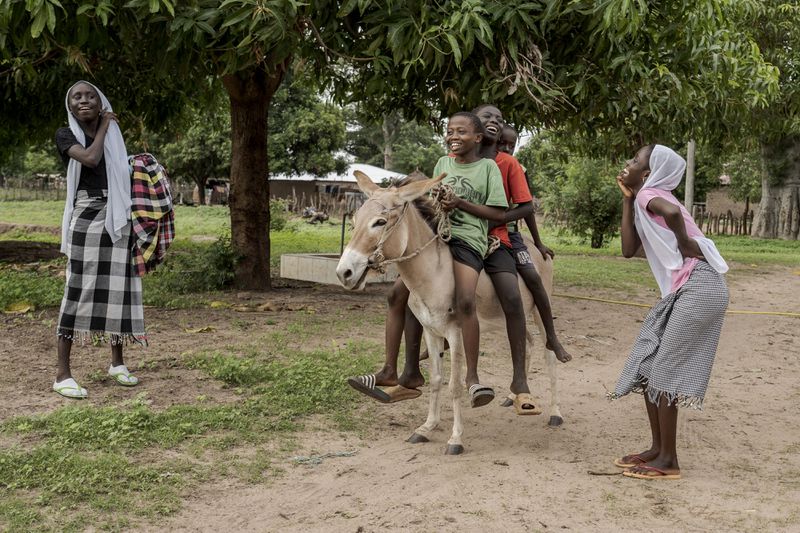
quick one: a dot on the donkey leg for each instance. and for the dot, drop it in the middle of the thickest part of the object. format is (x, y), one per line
(422, 433)
(455, 446)
(551, 363)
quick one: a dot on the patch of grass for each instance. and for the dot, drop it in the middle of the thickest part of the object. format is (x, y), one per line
(17, 514)
(234, 371)
(627, 276)
(74, 489)
(128, 428)
(40, 287)
(32, 236)
(758, 251)
(305, 238)
(36, 212)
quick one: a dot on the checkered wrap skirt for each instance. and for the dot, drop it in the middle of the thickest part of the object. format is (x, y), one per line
(674, 352)
(103, 295)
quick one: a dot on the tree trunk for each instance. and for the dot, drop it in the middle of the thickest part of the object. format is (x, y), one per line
(201, 189)
(688, 197)
(778, 215)
(391, 123)
(250, 94)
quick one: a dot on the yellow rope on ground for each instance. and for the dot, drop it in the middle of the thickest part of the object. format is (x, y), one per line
(634, 304)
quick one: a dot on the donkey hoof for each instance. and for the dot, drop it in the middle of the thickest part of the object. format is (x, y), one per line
(555, 421)
(454, 449)
(508, 402)
(416, 438)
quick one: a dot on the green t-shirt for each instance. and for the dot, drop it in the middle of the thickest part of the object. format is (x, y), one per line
(479, 183)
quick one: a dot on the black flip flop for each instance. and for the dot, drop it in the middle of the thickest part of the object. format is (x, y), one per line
(480, 395)
(366, 385)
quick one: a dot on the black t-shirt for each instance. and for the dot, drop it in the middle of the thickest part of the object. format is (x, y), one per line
(91, 178)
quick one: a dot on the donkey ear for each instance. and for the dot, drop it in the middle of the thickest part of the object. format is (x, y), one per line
(414, 190)
(365, 184)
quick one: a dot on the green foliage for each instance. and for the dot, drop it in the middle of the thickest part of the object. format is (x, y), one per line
(41, 160)
(416, 147)
(744, 166)
(413, 145)
(63, 478)
(201, 150)
(190, 268)
(305, 133)
(579, 192)
(629, 69)
(128, 428)
(278, 215)
(37, 286)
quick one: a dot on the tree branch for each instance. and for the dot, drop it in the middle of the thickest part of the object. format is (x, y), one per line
(309, 24)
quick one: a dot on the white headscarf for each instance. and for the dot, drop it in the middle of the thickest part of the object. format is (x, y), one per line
(660, 244)
(118, 210)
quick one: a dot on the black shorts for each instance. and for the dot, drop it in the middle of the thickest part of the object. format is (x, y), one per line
(501, 260)
(519, 250)
(464, 254)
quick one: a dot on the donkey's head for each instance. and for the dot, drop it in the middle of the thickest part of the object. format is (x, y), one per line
(378, 227)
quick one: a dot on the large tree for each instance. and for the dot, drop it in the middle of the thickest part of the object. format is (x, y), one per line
(306, 134)
(775, 25)
(628, 64)
(201, 148)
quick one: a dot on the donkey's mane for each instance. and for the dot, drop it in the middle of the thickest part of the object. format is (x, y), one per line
(423, 204)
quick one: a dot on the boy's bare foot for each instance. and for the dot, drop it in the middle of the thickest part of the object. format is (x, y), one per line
(385, 377)
(561, 353)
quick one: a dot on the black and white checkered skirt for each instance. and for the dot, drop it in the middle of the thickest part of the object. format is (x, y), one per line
(103, 295)
(674, 352)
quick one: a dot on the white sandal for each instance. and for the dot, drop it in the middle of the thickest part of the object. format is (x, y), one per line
(122, 376)
(69, 388)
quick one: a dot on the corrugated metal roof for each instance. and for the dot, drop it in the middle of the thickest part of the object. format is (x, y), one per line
(377, 174)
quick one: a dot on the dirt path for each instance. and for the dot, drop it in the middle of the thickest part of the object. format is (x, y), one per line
(740, 457)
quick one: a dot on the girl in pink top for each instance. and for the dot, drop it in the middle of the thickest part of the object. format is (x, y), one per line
(671, 360)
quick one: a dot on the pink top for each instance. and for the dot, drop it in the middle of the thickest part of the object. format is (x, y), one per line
(643, 198)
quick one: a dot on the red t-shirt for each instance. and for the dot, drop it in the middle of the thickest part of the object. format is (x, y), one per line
(516, 186)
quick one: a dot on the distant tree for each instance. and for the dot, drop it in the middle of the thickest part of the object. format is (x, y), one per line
(394, 143)
(579, 192)
(774, 25)
(201, 150)
(42, 160)
(305, 133)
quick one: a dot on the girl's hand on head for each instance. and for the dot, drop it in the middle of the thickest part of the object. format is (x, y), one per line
(626, 192)
(106, 117)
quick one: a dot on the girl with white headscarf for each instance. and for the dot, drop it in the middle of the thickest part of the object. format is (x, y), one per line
(103, 296)
(671, 360)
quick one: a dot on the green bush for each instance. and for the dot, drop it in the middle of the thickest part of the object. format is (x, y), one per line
(585, 198)
(191, 268)
(278, 216)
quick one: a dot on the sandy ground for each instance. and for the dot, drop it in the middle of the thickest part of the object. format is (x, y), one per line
(740, 456)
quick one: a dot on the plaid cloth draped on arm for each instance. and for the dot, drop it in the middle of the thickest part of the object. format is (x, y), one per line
(151, 212)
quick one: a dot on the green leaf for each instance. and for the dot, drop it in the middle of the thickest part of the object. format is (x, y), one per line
(237, 18)
(454, 48)
(39, 23)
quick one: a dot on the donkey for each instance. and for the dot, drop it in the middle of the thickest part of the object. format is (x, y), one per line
(388, 226)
